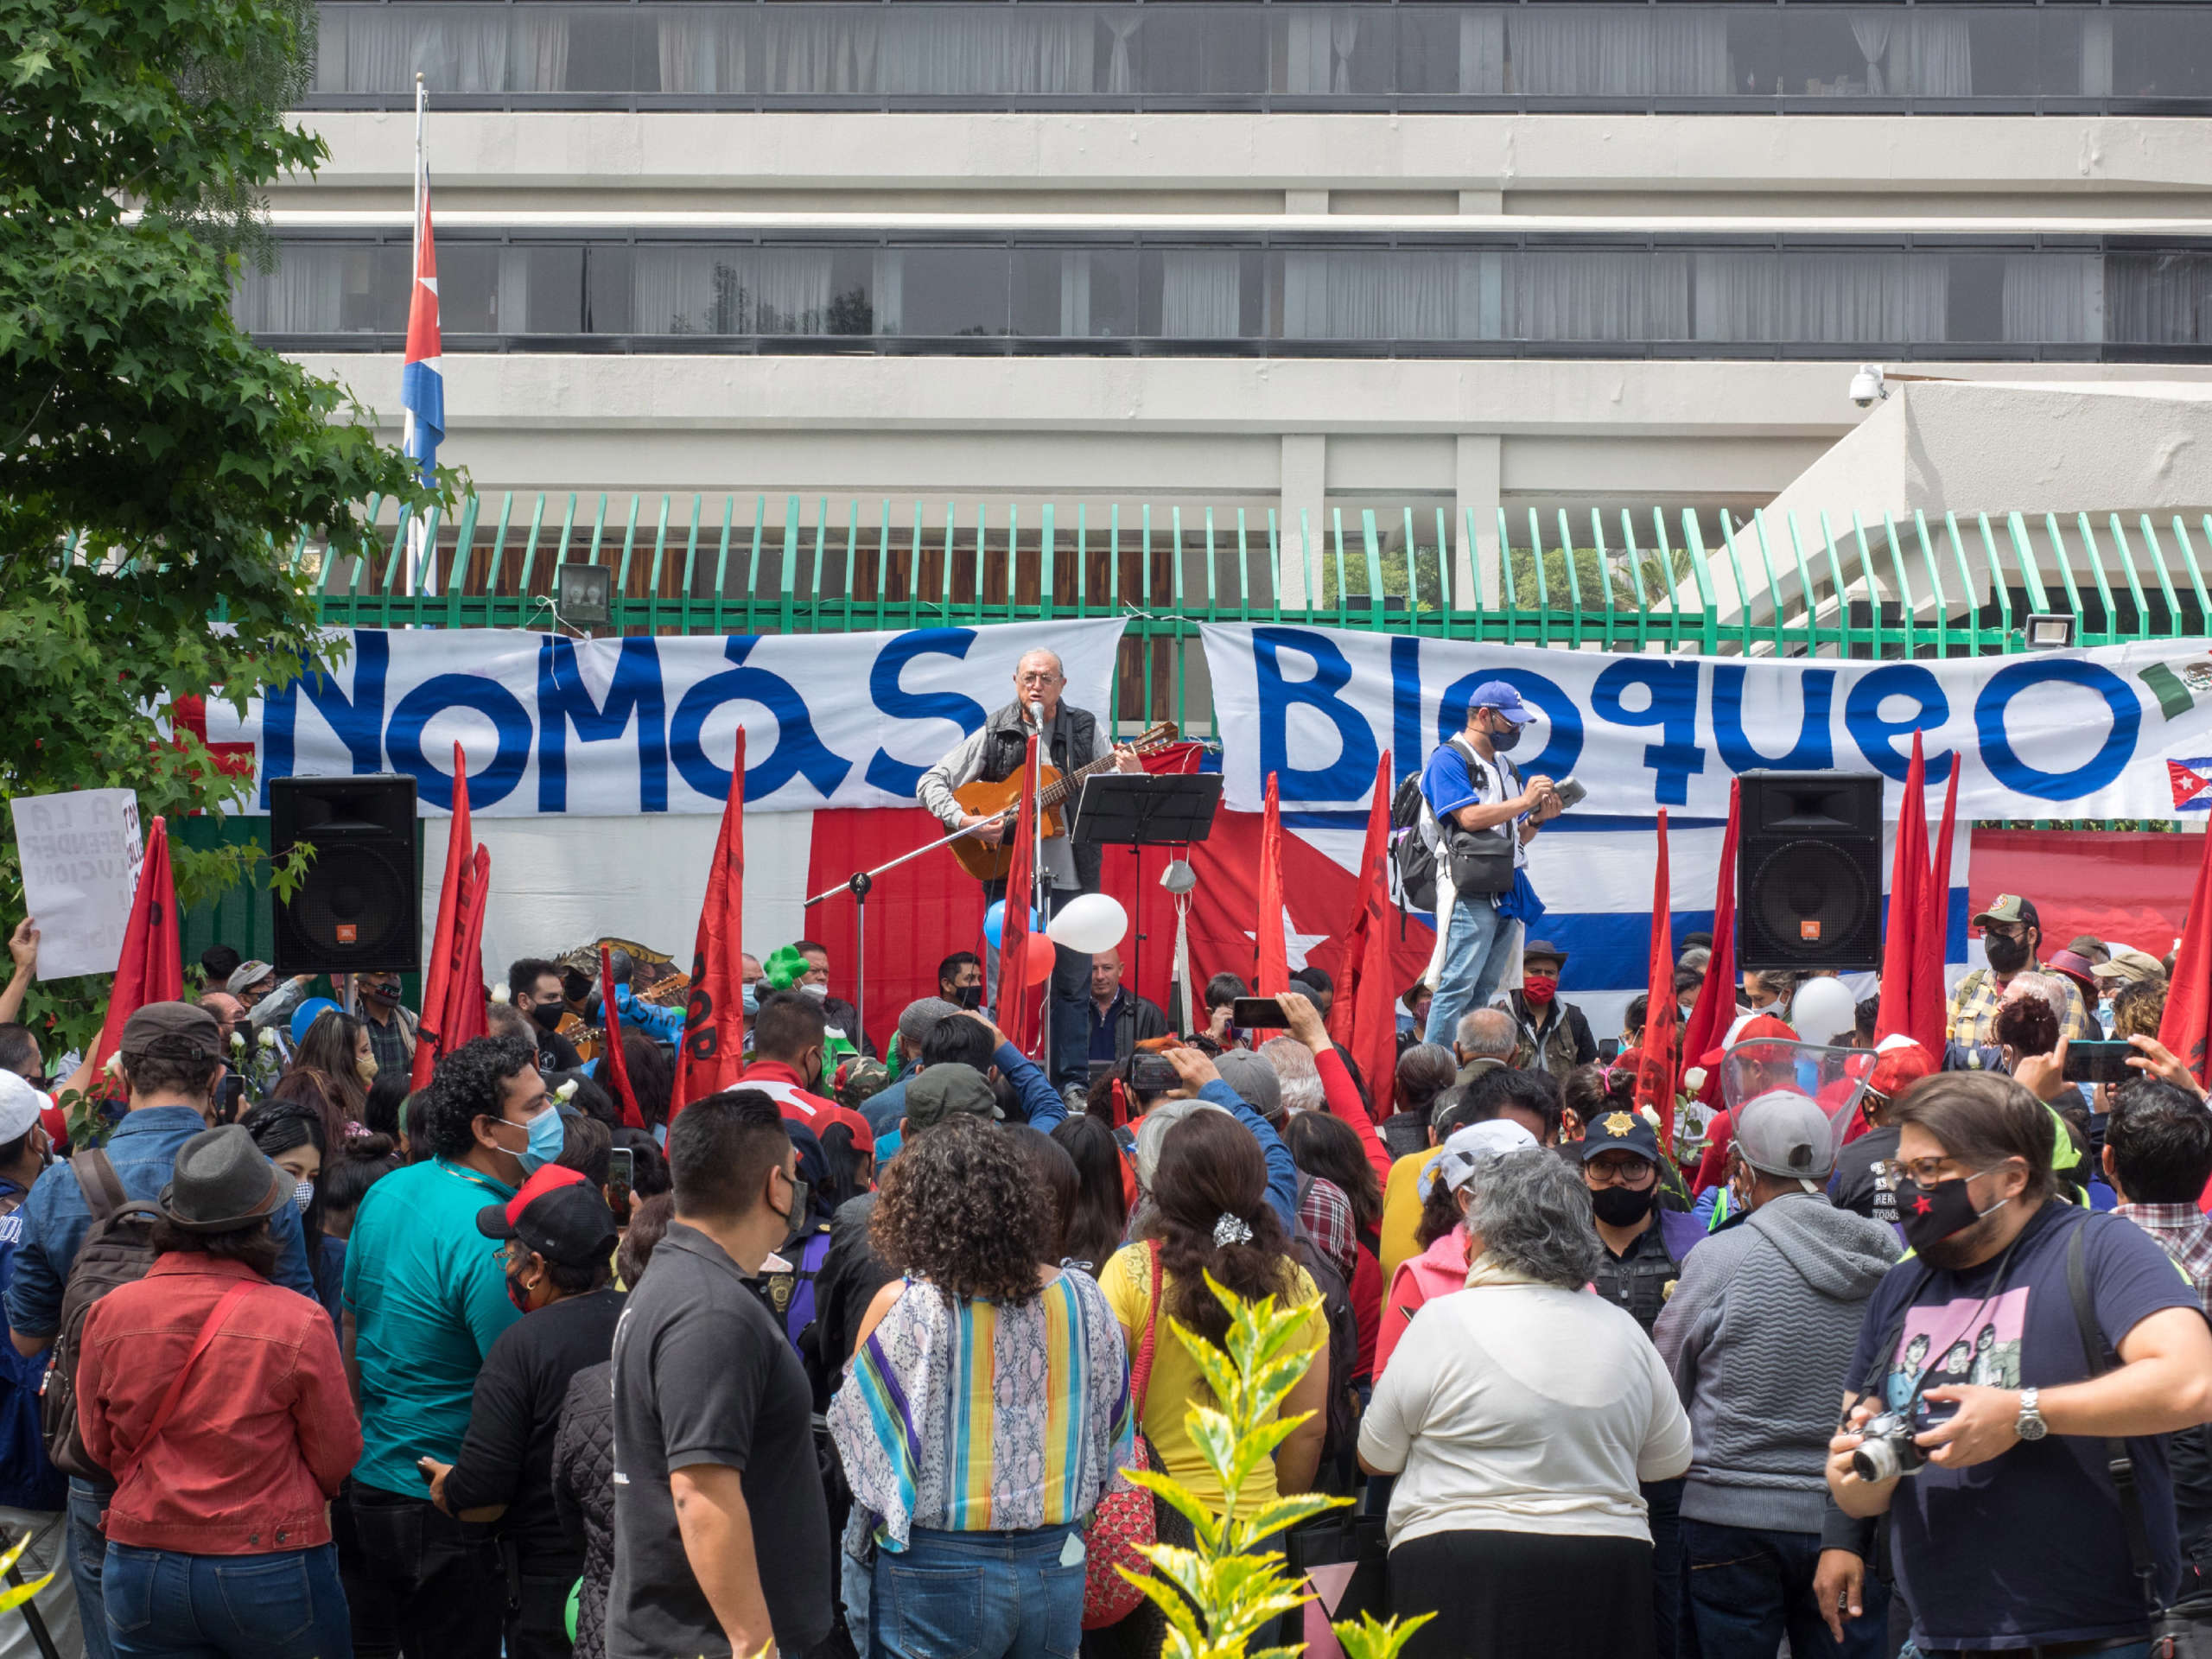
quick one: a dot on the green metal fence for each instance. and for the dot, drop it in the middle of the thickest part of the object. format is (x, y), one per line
(1864, 586)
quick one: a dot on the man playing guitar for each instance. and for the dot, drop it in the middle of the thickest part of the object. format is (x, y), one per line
(1072, 738)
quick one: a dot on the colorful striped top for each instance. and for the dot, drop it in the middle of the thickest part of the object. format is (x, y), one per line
(984, 1417)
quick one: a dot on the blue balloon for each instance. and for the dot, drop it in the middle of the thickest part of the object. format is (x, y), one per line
(995, 923)
(306, 1014)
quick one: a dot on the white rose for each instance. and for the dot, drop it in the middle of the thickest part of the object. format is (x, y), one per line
(566, 1092)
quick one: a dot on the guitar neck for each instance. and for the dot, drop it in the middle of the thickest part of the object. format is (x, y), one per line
(1057, 793)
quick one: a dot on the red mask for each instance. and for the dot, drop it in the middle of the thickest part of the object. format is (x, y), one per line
(1540, 988)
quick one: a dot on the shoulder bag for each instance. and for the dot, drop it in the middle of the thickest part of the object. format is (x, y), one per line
(1482, 860)
(1124, 1520)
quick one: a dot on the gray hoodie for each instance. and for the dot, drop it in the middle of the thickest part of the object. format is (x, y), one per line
(1758, 1334)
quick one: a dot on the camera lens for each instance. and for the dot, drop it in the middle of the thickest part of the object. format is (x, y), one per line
(1876, 1460)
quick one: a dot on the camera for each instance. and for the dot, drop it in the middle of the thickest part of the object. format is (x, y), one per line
(1867, 386)
(1154, 1074)
(1889, 1449)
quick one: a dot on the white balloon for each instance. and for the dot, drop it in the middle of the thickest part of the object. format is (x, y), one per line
(1822, 1010)
(1090, 924)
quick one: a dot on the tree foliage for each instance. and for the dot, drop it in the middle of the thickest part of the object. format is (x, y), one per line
(156, 467)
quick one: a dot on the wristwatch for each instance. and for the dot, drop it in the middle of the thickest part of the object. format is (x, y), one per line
(2031, 1425)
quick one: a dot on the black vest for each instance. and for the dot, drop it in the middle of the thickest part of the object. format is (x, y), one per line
(1005, 743)
(1641, 1281)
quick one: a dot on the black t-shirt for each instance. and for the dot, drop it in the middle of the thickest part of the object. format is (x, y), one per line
(554, 1052)
(1859, 1185)
(507, 1457)
(703, 1375)
(2026, 1548)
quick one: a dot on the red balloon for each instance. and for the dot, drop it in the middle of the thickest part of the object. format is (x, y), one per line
(1038, 966)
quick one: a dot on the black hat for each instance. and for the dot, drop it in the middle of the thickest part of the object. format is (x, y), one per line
(222, 1184)
(1620, 1131)
(558, 1213)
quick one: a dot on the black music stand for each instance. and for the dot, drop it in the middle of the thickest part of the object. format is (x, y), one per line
(1133, 809)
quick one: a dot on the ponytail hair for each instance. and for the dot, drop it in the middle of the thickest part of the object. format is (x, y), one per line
(1212, 1168)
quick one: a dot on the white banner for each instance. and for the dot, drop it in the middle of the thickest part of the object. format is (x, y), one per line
(613, 726)
(2118, 732)
(81, 852)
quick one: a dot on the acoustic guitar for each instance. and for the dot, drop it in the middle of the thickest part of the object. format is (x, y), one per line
(988, 858)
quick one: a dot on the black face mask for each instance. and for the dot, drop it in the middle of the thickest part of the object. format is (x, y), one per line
(797, 1218)
(1506, 742)
(968, 996)
(2005, 956)
(546, 1016)
(1930, 1214)
(1623, 1206)
(515, 1293)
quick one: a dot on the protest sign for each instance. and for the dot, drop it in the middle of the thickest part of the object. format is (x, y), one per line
(80, 853)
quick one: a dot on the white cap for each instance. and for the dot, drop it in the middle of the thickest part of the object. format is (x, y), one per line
(1469, 1149)
(20, 1105)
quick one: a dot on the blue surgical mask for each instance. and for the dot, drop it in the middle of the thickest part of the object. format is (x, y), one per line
(752, 1001)
(545, 1141)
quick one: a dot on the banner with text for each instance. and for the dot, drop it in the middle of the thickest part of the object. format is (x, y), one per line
(2119, 731)
(610, 726)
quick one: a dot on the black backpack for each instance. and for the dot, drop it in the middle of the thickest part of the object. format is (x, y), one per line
(116, 1251)
(1413, 860)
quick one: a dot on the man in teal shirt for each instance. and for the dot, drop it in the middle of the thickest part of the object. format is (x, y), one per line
(425, 1300)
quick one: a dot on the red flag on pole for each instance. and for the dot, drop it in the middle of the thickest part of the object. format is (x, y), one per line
(1363, 1017)
(1715, 1011)
(713, 1052)
(617, 1068)
(1930, 1000)
(2187, 1020)
(464, 1019)
(1908, 875)
(1656, 1069)
(1016, 1002)
(453, 897)
(1272, 974)
(151, 967)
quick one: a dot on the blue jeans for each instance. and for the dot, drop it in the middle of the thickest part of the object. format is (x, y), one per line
(1474, 960)
(978, 1595)
(1750, 1587)
(87, 1556)
(286, 1605)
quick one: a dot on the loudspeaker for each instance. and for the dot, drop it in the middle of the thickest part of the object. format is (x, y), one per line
(1809, 873)
(358, 907)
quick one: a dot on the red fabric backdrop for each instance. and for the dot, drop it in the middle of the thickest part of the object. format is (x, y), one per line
(2128, 886)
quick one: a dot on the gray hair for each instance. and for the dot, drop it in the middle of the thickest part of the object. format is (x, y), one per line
(1488, 1034)
(1151, 1130)
(2046, 986)
(1532, 1213)
(1059, 667)
(1302, 1078)
(1696, 960)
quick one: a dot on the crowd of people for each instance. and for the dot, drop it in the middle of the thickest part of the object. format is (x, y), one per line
(848, 1357)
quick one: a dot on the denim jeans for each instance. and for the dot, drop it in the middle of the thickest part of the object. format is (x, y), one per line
(2132, 1651)
(1750, 1587)
(1475, 949)
(87, 1558)
(982, 1595)
(286, 1604)
(1662, 1502)
(856, 1584)
(57, 1602)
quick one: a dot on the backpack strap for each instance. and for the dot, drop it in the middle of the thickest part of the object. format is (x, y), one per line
(101, 1186)
(2118, 1463)
(167, 1409)
(1140, 1374)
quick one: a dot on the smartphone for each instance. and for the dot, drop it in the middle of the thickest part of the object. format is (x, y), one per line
(1609, 1049)
(622, 1168)
(1259, 1014)
(1154, 1074)
(2100, 1062)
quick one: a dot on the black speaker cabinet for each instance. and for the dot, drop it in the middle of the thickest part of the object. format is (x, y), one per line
(1808, 872)
(357, 909)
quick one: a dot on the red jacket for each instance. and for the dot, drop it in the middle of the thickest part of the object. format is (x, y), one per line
(799, 1105)
(263, 1433)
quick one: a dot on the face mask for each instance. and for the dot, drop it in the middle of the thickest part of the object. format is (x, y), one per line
(381, 993)
(2005, 956)
(545, 1141)
(546, 1016)
(1540, 988)
(968, 996)
(366, 1068)
(303, 1195)
(750, 999)
(1622, 1206)
(794, 1218)
(515, 1293)
(1930, 1214)
(819, 992)
(1506, 742)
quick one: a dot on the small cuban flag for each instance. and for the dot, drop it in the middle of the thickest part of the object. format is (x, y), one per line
(2192, 782)
(422, 378)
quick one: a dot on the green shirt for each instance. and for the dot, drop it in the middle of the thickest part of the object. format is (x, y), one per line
(429, 1297)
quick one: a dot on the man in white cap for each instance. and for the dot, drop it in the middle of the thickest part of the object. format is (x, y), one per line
(33, 1495)
(1763, 1321)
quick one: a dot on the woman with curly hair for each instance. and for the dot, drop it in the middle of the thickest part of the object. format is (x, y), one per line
(985, 1413)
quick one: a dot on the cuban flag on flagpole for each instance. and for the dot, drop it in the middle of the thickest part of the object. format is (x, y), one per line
(422, 378)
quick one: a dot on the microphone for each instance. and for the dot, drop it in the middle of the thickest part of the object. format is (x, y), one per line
(1037, 713)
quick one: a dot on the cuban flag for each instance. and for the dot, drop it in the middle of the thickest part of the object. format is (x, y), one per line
(422, 378)
(2192, 784)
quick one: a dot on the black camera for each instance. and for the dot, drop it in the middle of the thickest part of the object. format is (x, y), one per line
(1889, 1449)
(1154, 1074)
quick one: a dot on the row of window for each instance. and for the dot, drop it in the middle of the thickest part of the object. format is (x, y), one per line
(1348, 56)
(1412, 296)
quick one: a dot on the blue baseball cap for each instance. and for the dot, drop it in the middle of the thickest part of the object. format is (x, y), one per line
(1496, 694)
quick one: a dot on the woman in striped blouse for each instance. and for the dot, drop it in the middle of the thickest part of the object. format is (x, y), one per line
(985, 1413)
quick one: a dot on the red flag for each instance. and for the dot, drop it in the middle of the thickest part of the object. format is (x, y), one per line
(1016, 1002)
(464, 1018)
(1655, 1069)
(453, 898)
(2188, 1019)
(617, 1067)
(1715, 1011)
(151, 967)
(1362, 1018)
(1931, 1010)
(1908, 875)
(713, 1020)
(1272, 976)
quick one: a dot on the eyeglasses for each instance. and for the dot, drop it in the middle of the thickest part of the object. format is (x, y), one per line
(1927, 1172)
(1624, 1173)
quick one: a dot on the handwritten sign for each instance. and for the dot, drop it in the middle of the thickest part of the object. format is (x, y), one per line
(80, 853)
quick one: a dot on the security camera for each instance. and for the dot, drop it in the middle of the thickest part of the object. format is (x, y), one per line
(1866, 386)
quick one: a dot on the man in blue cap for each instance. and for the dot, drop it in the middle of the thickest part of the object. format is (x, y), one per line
(1480, 816)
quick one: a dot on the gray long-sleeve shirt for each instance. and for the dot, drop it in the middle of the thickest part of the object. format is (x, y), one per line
(965, 764)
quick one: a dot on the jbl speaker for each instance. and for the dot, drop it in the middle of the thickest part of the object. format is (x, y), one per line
(357, 908)
(1809, 873)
